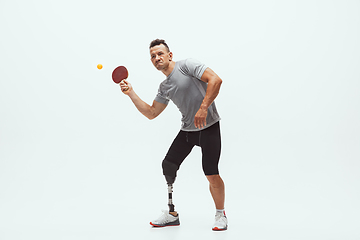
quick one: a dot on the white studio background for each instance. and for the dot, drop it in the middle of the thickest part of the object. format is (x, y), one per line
(78, 161)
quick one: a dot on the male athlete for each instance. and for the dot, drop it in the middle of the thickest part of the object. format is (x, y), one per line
(192, 87)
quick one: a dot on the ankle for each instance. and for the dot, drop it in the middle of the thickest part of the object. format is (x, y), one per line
(220, 212)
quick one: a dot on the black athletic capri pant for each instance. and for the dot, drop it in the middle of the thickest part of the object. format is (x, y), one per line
(208, 139)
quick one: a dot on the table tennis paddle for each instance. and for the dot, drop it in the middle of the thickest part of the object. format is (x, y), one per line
(120, 73)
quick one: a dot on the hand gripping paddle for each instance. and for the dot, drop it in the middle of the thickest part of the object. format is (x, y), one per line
(120, 73)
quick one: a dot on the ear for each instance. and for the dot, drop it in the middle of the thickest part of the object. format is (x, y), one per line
(170, 56)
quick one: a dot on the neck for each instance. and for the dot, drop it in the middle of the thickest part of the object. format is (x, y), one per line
(169, 69)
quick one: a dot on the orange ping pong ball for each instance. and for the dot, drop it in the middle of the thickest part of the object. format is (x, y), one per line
(99, 66)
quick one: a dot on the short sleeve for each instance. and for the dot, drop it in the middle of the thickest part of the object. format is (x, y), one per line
(161, 96)
(193, 68)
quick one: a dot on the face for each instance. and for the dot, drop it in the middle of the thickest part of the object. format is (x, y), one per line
(160, 57)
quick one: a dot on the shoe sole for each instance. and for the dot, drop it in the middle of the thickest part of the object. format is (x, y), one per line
(219, 229)
(170, 225)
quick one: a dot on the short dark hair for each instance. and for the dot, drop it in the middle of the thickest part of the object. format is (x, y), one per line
(158, 42)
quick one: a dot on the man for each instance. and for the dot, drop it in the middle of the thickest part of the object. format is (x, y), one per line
(192, 87)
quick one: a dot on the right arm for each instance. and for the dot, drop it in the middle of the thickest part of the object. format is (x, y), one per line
(148, 111)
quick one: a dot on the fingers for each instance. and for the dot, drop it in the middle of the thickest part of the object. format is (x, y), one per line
(202, 123)
(124, 85)
(200, 119)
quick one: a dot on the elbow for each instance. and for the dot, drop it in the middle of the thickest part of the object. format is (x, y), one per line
(151, 113)
(216, 81)
(151, 116)
(219, 81)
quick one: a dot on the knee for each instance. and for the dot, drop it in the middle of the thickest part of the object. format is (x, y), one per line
(215, 180)
(169, 171)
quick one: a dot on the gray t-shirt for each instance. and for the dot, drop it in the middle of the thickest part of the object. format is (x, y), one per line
(184, 87)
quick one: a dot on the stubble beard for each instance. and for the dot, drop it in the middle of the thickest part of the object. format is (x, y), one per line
(161, 67)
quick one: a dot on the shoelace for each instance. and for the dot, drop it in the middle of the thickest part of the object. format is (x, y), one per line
(164, 218)
(219, 218)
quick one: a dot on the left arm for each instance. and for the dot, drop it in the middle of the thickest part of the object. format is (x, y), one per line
(214, 82)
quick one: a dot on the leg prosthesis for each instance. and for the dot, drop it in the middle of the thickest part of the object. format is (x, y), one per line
(169, 171)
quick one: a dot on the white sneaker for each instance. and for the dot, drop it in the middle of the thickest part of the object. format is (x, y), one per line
(221, 222)
(166, 219)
